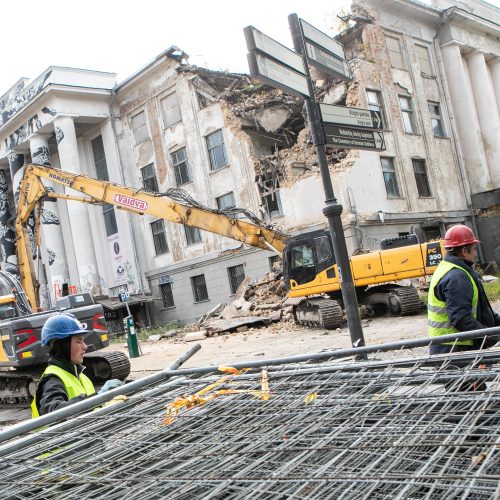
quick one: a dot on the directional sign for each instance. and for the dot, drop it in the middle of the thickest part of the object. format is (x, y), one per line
(256, 40)
(353, 117)
(353, 138)
(325, 53)
(277, 75)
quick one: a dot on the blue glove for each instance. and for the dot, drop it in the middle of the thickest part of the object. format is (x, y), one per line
(110, 384)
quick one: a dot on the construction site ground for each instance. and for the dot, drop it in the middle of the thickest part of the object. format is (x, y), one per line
(272, 341)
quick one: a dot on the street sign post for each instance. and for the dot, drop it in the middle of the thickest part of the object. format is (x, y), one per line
(353, 138)
(352, 117)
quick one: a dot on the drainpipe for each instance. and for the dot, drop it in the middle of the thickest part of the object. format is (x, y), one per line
(454, 135)
(122, 181)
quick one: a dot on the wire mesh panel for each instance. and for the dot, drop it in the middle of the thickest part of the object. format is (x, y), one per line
(395, 427)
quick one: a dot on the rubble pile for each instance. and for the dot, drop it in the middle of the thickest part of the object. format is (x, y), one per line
(255, 304)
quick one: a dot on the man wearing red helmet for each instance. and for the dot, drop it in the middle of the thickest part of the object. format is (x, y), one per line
(457, 301)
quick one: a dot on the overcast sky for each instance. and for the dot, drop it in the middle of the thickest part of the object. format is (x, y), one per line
(121, 36)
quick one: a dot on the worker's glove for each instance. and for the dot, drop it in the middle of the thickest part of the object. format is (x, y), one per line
(110, 384)
(117, 399)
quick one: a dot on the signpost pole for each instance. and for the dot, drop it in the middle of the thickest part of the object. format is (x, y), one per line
(333, 209)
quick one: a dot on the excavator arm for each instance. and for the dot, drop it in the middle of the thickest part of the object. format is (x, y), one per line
(33, 193)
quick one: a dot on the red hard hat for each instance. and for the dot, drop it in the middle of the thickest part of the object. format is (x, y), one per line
(459, 236)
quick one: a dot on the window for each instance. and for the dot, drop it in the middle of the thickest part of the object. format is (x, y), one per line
(167, 296)
(272, 205)
(395, 55)
(139, 127)
(423, 187)
(390, 178)
(424, 60)
(149, 178)
(170, 110)
(375, 103)
(217, 150)
(193, 235)
(108, 212)
(435, 113)
(225, 201)
(159, 237)
(181, 167)
(236, 277)
(203, 100)
(101, 167)
(407, 114)
(199, 285)
(275, 259)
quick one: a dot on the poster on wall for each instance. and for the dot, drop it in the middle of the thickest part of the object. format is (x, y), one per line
(119, 276)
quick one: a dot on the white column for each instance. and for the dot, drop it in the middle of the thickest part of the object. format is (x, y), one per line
(487, 111)
(54, 260)
(78, 215)
(466, 118)
(495, 77)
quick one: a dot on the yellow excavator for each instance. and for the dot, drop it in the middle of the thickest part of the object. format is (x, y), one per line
(309, 268)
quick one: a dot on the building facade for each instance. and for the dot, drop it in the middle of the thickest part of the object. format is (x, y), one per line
(222, 141)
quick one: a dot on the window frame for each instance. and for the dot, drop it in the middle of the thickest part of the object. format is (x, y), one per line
(379, 106)
(190, 232)
(166, 292)
(387, 172)
(159, 237)
(219, 199)
(391, 52)
(236, 275)
(178, 165)
(437, 117)
(100, 164)
(110, 224)
(409, 114)
(146, 180)
(422, 175)
(140, 139)
(427, 63)
(214, 148)
(195, 287)
(165, 111)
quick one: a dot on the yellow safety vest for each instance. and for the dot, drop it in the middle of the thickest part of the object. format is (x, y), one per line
(438, 322)
(75, 386)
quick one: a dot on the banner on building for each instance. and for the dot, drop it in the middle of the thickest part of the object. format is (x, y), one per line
(119, 275)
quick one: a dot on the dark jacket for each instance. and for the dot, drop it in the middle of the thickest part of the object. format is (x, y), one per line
(51, 393)
(456, 290)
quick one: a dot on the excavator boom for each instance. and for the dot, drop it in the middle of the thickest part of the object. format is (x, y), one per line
(33, 192)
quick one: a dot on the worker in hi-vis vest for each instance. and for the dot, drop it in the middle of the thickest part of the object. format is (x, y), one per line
(457, 301)
(63, 381)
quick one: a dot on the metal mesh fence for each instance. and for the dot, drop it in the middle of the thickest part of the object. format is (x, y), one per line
(396, 427)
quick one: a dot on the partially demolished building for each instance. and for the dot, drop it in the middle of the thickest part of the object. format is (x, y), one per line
(225, 140)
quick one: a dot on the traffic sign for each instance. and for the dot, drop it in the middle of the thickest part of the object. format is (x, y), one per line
(277, 75)
(353, 117)
(325, 53)
(124, 296)
(353, 138)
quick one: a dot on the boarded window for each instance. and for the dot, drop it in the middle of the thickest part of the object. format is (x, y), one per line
(216, 150)
(395, 55)
(200, 292)
(407, 115)
(140, 127)
(424, 60)
(159, 236)
(170, 110)
(149, 178)
(420, 170)
(390, 177)
(225, 201)
(101, 168)
(167, 297)
(193, 235)
(181, 167)
(236, 277)
(375, 103)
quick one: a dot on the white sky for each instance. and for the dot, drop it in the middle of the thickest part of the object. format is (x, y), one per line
(121, 36)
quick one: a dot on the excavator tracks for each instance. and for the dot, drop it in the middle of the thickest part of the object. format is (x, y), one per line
(319, 312)
(17, 388)
(404, 301)
(101, 366)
